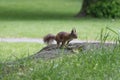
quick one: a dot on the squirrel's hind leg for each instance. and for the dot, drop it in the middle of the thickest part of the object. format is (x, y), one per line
(63, 44)
(58, 44)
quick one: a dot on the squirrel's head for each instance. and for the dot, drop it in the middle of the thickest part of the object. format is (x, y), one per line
(73, 33)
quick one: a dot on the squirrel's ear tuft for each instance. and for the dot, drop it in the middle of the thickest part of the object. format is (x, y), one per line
(73, 30)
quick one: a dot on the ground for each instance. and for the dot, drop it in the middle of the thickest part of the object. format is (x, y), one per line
(34, 19)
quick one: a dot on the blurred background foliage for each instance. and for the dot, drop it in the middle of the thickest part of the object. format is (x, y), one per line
(105, 8)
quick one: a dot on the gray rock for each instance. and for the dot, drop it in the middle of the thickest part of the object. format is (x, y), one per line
(52, 51)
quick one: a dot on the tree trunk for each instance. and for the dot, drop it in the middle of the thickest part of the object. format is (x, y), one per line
(85, 5)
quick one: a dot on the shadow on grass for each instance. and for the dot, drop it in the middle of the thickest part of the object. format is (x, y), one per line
(39, 9)
(10, 14)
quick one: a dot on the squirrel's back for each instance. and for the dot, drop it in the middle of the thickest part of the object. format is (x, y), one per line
(61, 36)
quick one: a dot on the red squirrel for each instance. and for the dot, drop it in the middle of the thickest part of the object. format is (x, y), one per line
(61, 37)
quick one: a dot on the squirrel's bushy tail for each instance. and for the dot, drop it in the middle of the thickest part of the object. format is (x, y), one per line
(48, 39)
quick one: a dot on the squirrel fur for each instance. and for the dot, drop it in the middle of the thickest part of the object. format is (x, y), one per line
(61, 37)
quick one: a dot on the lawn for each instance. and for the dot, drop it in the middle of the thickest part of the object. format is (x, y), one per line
(38, 9)
(13, 51)
(35, 19)
(39, 28)
(101, 64)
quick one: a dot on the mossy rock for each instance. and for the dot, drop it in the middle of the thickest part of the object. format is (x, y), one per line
(52, 51)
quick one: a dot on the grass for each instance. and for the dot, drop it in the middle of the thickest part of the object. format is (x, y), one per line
(38, 9)
(34, 19)
(101, 64)
(95, 64)
(38, 29)
(13, 51)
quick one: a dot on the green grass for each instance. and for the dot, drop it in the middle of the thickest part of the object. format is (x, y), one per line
(95, 64)
(101, 64)
(38, 9)
(87, 29)
(13, 51)
(36, 18)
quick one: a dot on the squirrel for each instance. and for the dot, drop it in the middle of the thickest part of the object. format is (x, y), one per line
(61, 37)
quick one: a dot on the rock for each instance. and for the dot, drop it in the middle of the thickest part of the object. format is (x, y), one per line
(52, 51)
